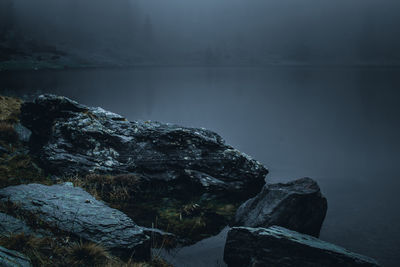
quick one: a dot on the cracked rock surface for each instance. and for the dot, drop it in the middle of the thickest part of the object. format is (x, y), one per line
(70, 138)
(75, 211)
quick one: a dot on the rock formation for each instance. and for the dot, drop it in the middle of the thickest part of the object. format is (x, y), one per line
(278, 246)
(297, 205)
(70, 138)
(75, 211)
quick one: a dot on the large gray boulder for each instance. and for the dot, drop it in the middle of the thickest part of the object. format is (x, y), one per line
(278, 246)
(75, 211)
(11, 258)
(297, 205)
(70, 138)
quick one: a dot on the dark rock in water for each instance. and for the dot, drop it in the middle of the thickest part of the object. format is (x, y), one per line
(297, 205)
(71, 138)
(11, 258)
(73, 210)
(278, 246)
(10, 225)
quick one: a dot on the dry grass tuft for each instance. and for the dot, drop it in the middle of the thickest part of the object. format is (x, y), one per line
(112, 189)
(41, 250)
(20, 169)
(88, 254)
(21, 242)
(9, 109)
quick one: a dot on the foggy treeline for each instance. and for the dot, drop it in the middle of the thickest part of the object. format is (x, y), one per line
(208, 31)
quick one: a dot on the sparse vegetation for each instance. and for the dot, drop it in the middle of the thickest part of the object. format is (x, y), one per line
(88, 254)
(16, 166)
(112, 189)
(20, 169)
(7, 133)
(189, 219)
(43, 251)
(9, 112)
(58, 251)
(9, 109)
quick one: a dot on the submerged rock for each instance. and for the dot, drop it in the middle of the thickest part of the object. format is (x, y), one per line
(297, 205)
(278, 246)
(70, 138)
(75, 211)
(11, 258)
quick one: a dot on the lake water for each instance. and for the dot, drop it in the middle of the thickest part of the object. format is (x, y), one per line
(339, 126)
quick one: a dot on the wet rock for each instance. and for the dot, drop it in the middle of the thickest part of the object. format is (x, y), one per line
(11, 258)
(71, 138)
(278, 246)
(297, 205)
(75, 211)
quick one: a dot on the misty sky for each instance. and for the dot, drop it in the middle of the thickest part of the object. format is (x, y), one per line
(260, 30)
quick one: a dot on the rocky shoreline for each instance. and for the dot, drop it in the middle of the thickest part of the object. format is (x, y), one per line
(87, 183)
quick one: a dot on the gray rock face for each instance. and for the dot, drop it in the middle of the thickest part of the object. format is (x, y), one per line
(71, 138)
(297, 205)
(278, 246)
(73, 210)
(11, 258)
(10, 225)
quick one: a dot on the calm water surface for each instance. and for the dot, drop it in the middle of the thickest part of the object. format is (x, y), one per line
(339, 126)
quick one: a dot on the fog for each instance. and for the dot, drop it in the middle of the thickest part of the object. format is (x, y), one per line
(307, 87)
(214, 32)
